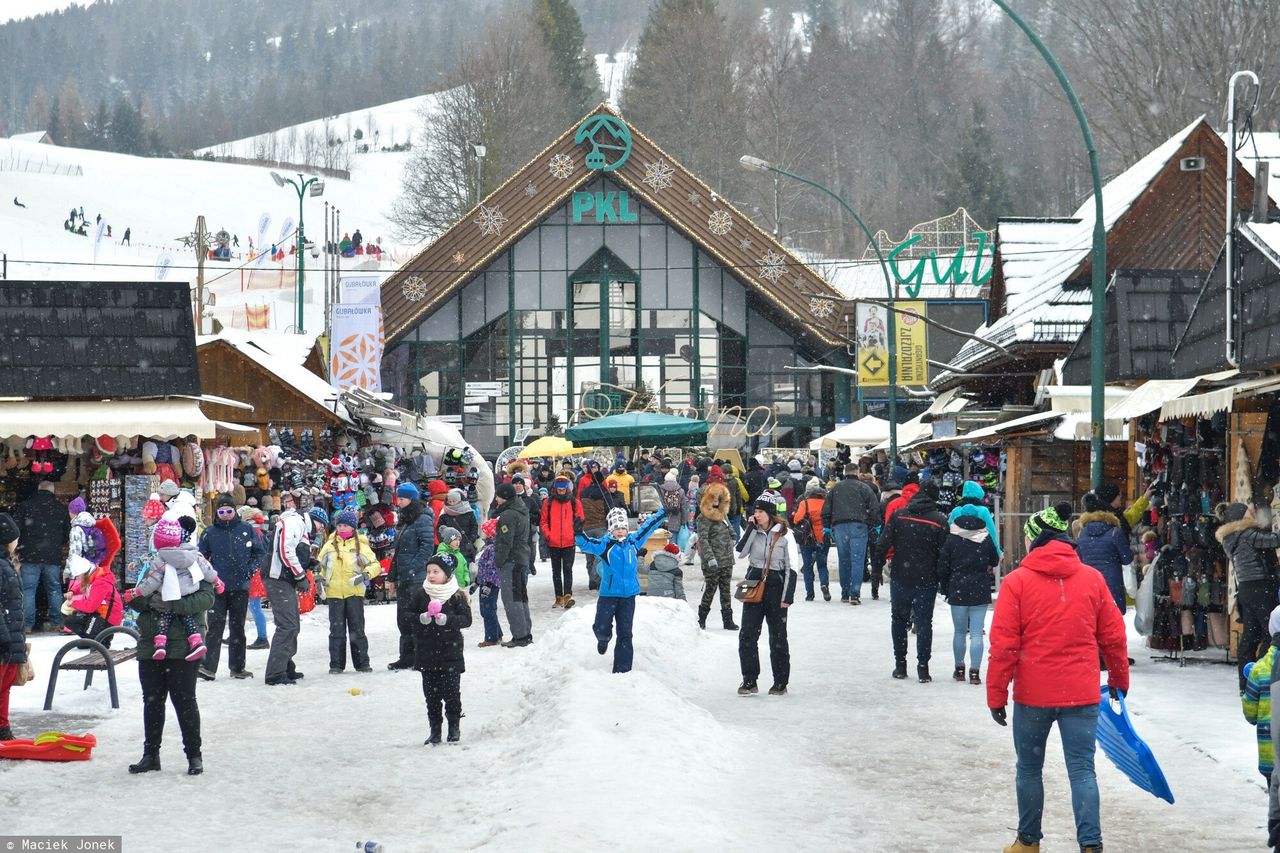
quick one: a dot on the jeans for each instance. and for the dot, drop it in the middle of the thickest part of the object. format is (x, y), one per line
(1078, 729)
(851, 555)
(228, 607)
(968, 620)
(912, 604)
(515, 600)
(284, 642)
(489, 613)
(259, 618)
(51, 573)
(173, 679)
(812, 554)
(754, 616)
(735, 521)
(562, 570)
(611, 609)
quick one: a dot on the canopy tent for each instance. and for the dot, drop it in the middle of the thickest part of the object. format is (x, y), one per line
(639, 428)
(551, 445)
(168, 418)
(863, 432)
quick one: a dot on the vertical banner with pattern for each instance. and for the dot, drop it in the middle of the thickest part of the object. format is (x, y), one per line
(355, 358)
(873, 341)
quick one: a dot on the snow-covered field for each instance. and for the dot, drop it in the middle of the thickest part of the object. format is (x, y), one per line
(559, 754)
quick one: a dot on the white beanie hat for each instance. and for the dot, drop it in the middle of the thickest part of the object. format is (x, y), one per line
(671, 477)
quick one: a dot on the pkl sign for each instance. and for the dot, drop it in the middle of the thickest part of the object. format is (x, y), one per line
(953, 273)
(609, 207)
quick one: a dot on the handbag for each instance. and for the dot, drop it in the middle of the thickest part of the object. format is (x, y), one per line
(26, 671)
(752, 591)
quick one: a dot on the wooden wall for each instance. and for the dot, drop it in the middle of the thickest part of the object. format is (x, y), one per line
(224, 372)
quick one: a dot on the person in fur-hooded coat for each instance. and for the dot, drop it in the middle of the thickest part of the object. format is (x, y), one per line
(716, 538)
(1101, 542)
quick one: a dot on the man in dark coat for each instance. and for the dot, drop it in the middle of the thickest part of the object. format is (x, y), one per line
(511, 554)
(45, 528)
(915, 534)
(234, 550)
(755, 480)
(415, 543)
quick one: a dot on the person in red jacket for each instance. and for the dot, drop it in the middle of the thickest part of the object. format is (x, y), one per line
(558, 514)
(1053, 616)
(437, 492)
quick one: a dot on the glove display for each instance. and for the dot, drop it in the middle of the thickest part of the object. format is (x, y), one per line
(434, 607)
(998, 714)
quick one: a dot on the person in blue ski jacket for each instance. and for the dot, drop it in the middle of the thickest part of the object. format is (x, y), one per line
(973, 502)
(619, 555)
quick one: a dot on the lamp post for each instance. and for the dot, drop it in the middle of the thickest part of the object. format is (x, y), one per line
(317, 189)
(1098, 288)
(755, 164)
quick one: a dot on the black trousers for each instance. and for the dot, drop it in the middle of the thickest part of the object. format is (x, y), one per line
(562, 570)
(231, 607)
(346, 618)
(1257, 599)
(754, 616)
(407, 622)
(175, 680)
(443, 691)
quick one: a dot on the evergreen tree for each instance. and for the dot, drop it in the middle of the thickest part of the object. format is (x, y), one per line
(99, 134)
(561, 32)
(71, 119)
(976, 180)
(127, 133)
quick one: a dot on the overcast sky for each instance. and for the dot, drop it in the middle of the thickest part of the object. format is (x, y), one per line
(12, 10)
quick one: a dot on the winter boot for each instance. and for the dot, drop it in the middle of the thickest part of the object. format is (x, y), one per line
(727, 616)
(826, 593)
(197, 647)
(569, 602)
(922, 672)
(747, 688)
(974, 677)
(436, 725)
(161, 648)
(1021, 846)
(900, 668)
(258, 644)
(703, 612)
(958, 675)
(808, 596)
(559, 602)
(455, 730)
(150, 761)
(195, 765)
(778, 690)
(6, 733)
(1094, 849)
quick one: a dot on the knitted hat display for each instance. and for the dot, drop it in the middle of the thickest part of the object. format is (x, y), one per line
(347, 517)
(168, 532)
(447, 562)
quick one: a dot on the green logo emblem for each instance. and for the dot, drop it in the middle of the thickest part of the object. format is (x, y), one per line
(610, 142)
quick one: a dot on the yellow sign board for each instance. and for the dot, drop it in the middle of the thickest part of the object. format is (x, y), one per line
(873, 352)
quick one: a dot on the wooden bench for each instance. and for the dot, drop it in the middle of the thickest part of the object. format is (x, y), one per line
(98, 658)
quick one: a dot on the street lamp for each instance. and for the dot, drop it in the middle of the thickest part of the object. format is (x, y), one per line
(755, 164)
(317, 189)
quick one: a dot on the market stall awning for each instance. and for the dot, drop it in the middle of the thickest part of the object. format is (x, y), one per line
(863, 432)
(551, 445)
(1211, 402)
(639, 428)
(165, 418)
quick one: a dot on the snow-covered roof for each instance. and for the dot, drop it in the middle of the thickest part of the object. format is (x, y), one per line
(1038, 255)
(32, 136)
(279, 358)
(1264, 235)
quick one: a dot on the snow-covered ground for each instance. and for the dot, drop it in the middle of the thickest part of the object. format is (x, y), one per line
(559, 754)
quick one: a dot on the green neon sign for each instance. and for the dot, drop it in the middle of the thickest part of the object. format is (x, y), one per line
(608, 207)
(610, 142)
(954, 271)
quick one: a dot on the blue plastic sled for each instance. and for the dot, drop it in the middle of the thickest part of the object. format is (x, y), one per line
(1127, 751)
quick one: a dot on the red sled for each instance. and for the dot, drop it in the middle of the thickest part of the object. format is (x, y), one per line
(50, 746)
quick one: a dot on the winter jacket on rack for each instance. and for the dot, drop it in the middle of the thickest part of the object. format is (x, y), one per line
(234, 550)
(558, 513)
(965, 563)
(785, 559)
(1244, 541)
(913, 538)
(1257, 706)
(1101, 543)
(45, 526)
(415, 543)
(1053, 615)
(439, 646)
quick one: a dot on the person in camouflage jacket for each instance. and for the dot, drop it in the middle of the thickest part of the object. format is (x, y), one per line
(716, 539)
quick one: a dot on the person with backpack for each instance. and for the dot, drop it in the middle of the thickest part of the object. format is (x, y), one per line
(812, 539)
(965, 564)
(716, 540)
(1249, 546)
(1054, 621)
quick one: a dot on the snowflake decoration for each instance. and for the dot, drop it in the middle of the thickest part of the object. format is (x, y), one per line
(561, 166)
(720, 222)
(745, 244)
(490, 221)
(531, 189)
(822, 308)
(459, 258)
(695, 199)
(414, 288)
(772, 266)
(658, 175)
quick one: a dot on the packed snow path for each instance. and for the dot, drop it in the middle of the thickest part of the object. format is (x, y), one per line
(559, 754)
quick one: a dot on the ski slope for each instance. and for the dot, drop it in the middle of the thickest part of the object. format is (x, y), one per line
(559, 754)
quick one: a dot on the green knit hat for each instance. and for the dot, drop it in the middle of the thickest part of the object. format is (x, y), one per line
(1057, 517)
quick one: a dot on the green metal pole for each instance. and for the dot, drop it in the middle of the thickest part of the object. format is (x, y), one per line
(892, 319)
(1098, 283)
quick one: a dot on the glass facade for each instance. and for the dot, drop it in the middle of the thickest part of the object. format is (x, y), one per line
(572, 318)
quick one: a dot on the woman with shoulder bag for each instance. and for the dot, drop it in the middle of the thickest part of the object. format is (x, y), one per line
(13, 648)
(766, 593)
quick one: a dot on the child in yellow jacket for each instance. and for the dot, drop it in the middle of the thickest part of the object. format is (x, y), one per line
(347, 563)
